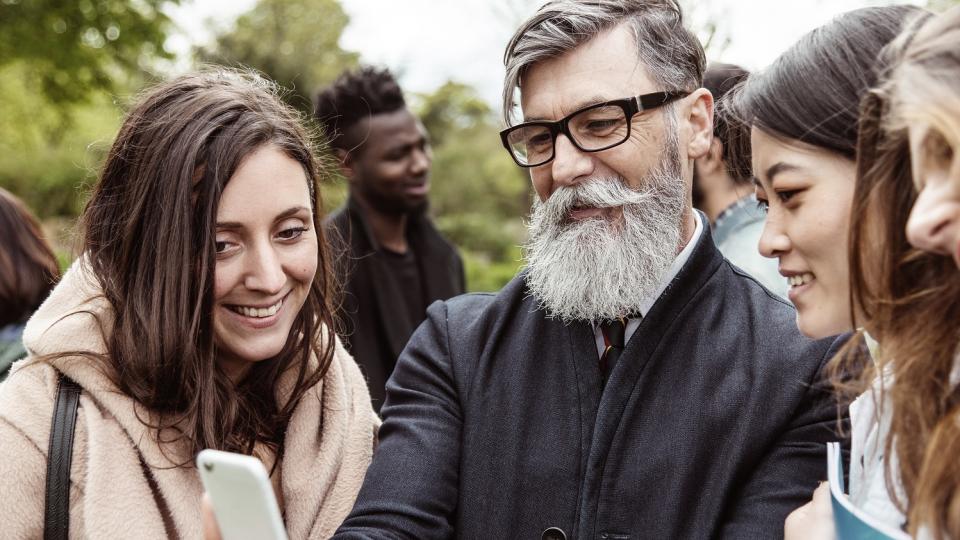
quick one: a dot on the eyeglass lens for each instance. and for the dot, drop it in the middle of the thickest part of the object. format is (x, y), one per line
(592, 129)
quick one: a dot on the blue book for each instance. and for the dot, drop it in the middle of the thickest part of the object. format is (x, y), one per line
(851, 522)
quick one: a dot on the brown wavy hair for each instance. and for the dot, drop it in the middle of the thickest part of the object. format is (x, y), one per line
(148, 234)
(909, 300)
(28, 267)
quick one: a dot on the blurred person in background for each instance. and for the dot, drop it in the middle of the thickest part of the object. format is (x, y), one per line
(199, 315)
(390, 259)
(905, 280)
(725, 194)
(28, 272)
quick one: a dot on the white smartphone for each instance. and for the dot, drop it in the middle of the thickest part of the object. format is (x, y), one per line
(242, 496)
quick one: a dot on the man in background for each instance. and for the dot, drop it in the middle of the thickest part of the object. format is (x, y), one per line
(725, 195)
(391, 261)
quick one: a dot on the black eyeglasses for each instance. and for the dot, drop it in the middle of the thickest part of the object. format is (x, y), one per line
(591, 129)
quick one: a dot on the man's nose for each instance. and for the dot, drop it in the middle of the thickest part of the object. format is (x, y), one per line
(774, 241)
(934, 223)
(264, 270)
(570, 164)
(421, 161)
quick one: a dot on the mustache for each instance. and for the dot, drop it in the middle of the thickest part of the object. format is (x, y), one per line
(598, 192)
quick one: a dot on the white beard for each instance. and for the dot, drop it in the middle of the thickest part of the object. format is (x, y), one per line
(595, 270)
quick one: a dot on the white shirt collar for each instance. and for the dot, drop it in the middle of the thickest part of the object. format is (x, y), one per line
(678, 263)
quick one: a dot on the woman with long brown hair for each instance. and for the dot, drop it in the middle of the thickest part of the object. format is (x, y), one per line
(200, 315)
(28, 272)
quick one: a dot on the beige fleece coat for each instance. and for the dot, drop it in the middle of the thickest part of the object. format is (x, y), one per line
(328, 444)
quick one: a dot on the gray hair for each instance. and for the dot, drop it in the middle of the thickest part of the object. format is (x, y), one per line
(671, 54)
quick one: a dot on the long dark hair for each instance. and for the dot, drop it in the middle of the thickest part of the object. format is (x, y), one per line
(811, 93)
(910, 298)
(149, 239)
(28, 267)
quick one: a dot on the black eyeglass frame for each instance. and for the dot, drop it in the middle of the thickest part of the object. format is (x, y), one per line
(631, 106)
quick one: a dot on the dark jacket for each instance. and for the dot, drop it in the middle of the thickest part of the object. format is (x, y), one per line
(374, 327)
(712, 424)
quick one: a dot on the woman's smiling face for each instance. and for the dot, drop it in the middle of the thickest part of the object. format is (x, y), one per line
(266, 258)
(807, 191)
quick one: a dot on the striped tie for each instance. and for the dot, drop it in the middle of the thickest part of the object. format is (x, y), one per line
(613, 336)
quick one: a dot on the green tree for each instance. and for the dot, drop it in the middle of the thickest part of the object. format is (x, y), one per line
(478, 195)
(294, 42)
(73, 49)
(61, 65)
(44, 160)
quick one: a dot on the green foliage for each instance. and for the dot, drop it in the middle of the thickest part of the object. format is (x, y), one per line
(453, 106)
(478, 194)
(48, 152)
(60, 63)
(486, 275)
(81, 54)
(74, 49)
(294, 42)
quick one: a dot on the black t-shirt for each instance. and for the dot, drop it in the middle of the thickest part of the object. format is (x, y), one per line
(403, 276)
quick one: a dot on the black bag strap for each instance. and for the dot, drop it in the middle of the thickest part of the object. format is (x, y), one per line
(56, 519)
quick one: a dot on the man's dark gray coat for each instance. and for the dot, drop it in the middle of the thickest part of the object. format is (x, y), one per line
(712, 424)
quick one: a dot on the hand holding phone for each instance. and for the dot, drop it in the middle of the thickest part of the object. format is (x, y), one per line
(242, 496)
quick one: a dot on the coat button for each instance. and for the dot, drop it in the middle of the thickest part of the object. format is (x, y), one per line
(553, 533)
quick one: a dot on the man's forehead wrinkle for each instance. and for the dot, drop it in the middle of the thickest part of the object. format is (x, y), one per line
(563, 110)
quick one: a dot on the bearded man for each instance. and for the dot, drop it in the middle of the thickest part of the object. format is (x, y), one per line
(630, 383)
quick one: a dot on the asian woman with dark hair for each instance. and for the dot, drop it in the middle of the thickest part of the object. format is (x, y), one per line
(803, 114)
(200, 315)
(800, 118)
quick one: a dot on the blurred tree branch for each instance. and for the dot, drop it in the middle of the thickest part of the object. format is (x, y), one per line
(73, 49)
(294, 42)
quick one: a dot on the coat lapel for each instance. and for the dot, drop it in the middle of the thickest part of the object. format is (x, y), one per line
(649, 336)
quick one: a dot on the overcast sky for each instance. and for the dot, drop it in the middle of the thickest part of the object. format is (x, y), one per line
(427, 42)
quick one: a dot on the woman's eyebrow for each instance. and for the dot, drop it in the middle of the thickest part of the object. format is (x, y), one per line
(293, 210)
(778, 168)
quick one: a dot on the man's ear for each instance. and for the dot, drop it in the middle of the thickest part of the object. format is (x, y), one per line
(699, 119)
(345, 161)
(712, 161)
